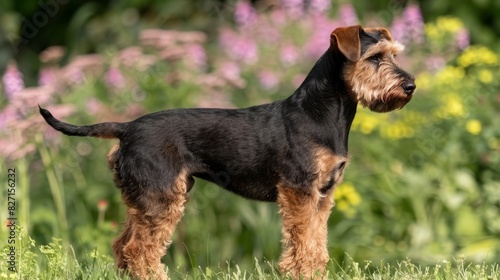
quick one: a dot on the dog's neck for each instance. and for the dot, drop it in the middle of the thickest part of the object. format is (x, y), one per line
(326, 99)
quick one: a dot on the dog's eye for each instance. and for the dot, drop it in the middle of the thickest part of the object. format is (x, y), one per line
(376, 58)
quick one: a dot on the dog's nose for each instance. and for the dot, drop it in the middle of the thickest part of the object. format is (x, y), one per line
(409, 87)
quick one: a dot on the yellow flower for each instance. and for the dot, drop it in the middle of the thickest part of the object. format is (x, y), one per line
(473, 126)
(366, 122)
(432, 31)
(342, 205)
(347, 198)
(442, 27)
(485, 76)
(397, 130)
(449, 24)
(455, 107)
(368, 125)
(424, 81)
(451, 106)
(450, 75)
(475, 55)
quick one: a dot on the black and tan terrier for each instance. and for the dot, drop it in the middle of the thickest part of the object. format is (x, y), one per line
(291, 151)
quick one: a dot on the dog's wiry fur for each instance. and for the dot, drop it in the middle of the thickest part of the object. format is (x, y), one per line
(292, 152)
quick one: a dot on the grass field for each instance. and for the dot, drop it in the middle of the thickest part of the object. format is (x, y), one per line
(56, 261)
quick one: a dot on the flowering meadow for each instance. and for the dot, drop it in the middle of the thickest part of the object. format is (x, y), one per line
(423, 183)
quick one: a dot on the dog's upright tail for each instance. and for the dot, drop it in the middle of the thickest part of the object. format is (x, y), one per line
(101, 130)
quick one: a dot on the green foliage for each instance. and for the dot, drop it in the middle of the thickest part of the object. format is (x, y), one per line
(423, 182)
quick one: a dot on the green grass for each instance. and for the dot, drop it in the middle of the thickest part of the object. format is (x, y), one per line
(55, 261)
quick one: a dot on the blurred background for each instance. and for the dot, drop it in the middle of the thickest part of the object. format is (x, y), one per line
(423, 182)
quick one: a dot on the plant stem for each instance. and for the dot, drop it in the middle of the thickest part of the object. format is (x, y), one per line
(55, 188)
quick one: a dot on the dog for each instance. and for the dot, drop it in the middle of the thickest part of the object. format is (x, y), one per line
(292, 151)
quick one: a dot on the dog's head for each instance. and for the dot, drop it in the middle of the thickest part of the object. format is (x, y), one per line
(371, 70)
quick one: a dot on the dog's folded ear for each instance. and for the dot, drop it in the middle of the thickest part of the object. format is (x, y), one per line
(347, 41)
(379, 33)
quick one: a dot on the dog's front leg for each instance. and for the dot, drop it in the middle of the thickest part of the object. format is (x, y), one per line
(304, 217)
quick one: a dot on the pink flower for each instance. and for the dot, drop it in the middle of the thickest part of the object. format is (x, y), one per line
(102, 205)
(294, 8)
(268, 80)
(320, 5)
(247, 51)
(289, 55)
(52, 54)
(13, 147)
(409, 27)
(268, 33)
(278, 17)
(231, 72)
(463, 39)
(12, 81)
(244, 13)
(92, 105)
(415, 23)
(114, 78)
(7, 115)
(196, 56)
(239, 48)
(47, 76)
(298, 80)
(398, 30)
(319, 41)
(348, 15)
(215, 99)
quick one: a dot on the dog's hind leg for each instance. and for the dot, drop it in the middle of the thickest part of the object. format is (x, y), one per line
(152, 218)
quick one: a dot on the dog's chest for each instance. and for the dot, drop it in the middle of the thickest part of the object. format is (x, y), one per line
(329, 169)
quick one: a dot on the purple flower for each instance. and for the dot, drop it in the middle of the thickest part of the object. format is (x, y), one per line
(398, 30)
(114, 78)
(244, 13)
(463, 39)
(348, 15)
(239, 48)
(268, 80)
(415, 23)
(319, 41)
(409, 27)
(12, 81)
(246, 50)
